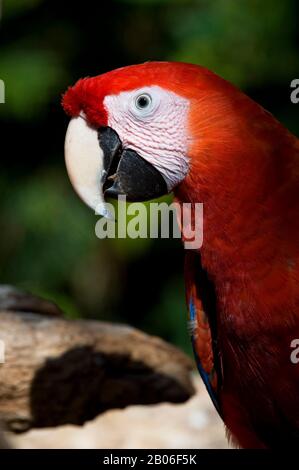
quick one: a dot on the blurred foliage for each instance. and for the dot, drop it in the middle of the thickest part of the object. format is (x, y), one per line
(48, 243)
(244, 42)
(27, 98)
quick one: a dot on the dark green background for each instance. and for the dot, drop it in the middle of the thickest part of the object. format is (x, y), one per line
(48, 244)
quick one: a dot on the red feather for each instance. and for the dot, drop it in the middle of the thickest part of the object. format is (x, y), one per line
(245, 169)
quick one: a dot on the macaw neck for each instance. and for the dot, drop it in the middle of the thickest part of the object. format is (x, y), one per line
(248, 212)
(250, 245)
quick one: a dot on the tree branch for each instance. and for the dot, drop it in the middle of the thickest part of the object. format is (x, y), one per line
(59, 371)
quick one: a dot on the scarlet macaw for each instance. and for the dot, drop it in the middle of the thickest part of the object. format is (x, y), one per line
(178, 127)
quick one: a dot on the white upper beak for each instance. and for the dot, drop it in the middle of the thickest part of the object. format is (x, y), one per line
(84, 161)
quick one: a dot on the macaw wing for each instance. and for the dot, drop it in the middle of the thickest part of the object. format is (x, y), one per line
(201, 301)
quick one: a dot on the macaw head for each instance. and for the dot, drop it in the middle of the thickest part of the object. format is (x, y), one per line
(136, 130)
(146, 130)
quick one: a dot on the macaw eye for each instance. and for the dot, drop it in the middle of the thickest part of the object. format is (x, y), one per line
(143, 101)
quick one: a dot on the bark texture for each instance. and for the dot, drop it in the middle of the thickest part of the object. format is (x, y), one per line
(59, 371)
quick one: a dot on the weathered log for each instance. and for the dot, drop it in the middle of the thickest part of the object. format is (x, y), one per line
(16, 300)
(60, 371)
(194, 424)
(3, 442)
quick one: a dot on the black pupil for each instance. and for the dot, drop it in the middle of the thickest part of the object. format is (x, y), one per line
(143, 101)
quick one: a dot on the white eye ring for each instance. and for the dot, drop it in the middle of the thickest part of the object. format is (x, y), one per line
(143, 102)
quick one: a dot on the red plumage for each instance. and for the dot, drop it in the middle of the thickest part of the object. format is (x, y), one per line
(244, 167)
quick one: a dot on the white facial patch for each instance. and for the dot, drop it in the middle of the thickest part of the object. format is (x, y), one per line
(153, 122)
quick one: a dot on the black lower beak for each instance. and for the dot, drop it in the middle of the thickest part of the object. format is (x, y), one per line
(126, 173)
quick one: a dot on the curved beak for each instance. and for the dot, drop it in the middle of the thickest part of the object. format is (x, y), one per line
(84, 162)
(99, 166)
